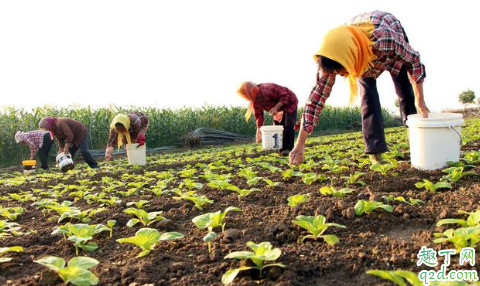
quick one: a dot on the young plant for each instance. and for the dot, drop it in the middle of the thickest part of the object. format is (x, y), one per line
(241, 193)
(143, 217)
(147, 239)
(311, 178)
(367, 207)
(398, 276)
(4, 250)
(11, 213)
(460, 237)
(330, 191)
(81, 234)
(191, 184)
(9, 228)
(295, 200)
(199, 201)
(271, 183)
(383, 169)
(431, 186)
(354, 179)
(261, 254)
(291, 173)
(472, 220)
(210, 221)
(317, 225)
(76, 272)
(412, 202)
(110, 225)
(140, 204)
(454, 174)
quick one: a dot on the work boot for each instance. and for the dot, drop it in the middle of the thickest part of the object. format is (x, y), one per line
(377, 159)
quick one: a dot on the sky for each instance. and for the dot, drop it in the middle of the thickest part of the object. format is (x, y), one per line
(171, 54)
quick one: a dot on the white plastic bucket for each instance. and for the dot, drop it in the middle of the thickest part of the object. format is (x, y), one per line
(64, 162)
(434, 140)
(272, 137)
(137, 155)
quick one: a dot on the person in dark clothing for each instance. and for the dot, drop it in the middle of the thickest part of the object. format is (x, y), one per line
(71, 136)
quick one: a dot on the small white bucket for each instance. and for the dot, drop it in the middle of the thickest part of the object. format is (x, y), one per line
(272, 137)
(137, 155)
(434, 140)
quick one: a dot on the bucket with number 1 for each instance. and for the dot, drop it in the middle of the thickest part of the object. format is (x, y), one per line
(272, 137)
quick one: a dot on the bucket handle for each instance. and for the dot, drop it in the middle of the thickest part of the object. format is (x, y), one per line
(459, 136)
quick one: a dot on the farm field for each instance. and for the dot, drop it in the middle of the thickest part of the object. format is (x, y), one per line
(47, 214)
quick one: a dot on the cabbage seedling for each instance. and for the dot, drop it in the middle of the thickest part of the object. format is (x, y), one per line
(317, 225)
(140, 204)
(271, 183)
(363, 206)
(353, 179)
(431, 186)
(456, 173)
(262, 253)
(147, 238)
(4, 250)
(310, 178)
(199, 201)
(9, 228)
(330, 191)
(472, 220)
(110, 225)
(80, 234)
(460, 237)
(295, 200)
(143, 217)
(210, 221)
(11, 213)
(76, 272)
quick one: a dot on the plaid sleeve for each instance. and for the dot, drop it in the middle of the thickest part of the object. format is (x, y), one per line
(258, 113)
(390, 42)
(33, 147)
(145, 125)
(316, 100)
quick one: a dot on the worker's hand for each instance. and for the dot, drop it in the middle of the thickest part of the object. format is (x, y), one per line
(66, 151)
(258, 138)
(273, 111)
(108, 156)
(296, 155)
(422, 108)
(141, 139)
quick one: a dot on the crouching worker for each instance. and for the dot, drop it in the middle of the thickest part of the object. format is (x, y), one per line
(132, 127)
(280, 102)
(39, 142)
(71, 136)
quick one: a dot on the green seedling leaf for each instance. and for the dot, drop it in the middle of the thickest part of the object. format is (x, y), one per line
(76, 272)
(4, 250)
(147, 238)
(316, 225)
(295, 200)
(330, 191)
(363, 206)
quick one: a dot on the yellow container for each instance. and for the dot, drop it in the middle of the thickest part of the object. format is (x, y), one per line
(29, 162)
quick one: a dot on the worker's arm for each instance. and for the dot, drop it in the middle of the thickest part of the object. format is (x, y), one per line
(419, 99)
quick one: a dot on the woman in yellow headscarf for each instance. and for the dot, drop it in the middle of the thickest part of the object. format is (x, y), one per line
(361, 50)
(126, 129)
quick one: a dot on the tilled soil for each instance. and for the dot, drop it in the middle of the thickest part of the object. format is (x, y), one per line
(379, 240)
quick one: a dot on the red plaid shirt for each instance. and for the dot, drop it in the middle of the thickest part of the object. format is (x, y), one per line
(269, 95)
(390, 46)
(34, 140)
(138, 125)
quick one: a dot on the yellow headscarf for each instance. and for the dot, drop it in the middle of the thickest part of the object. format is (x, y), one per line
(125, 121)
(248, 90)
(350, 46)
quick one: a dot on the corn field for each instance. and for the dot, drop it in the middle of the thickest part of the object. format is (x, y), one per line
(166, 125)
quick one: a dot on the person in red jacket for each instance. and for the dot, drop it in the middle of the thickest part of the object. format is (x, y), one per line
(71, 135)
(280, 102)
(132, 127)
